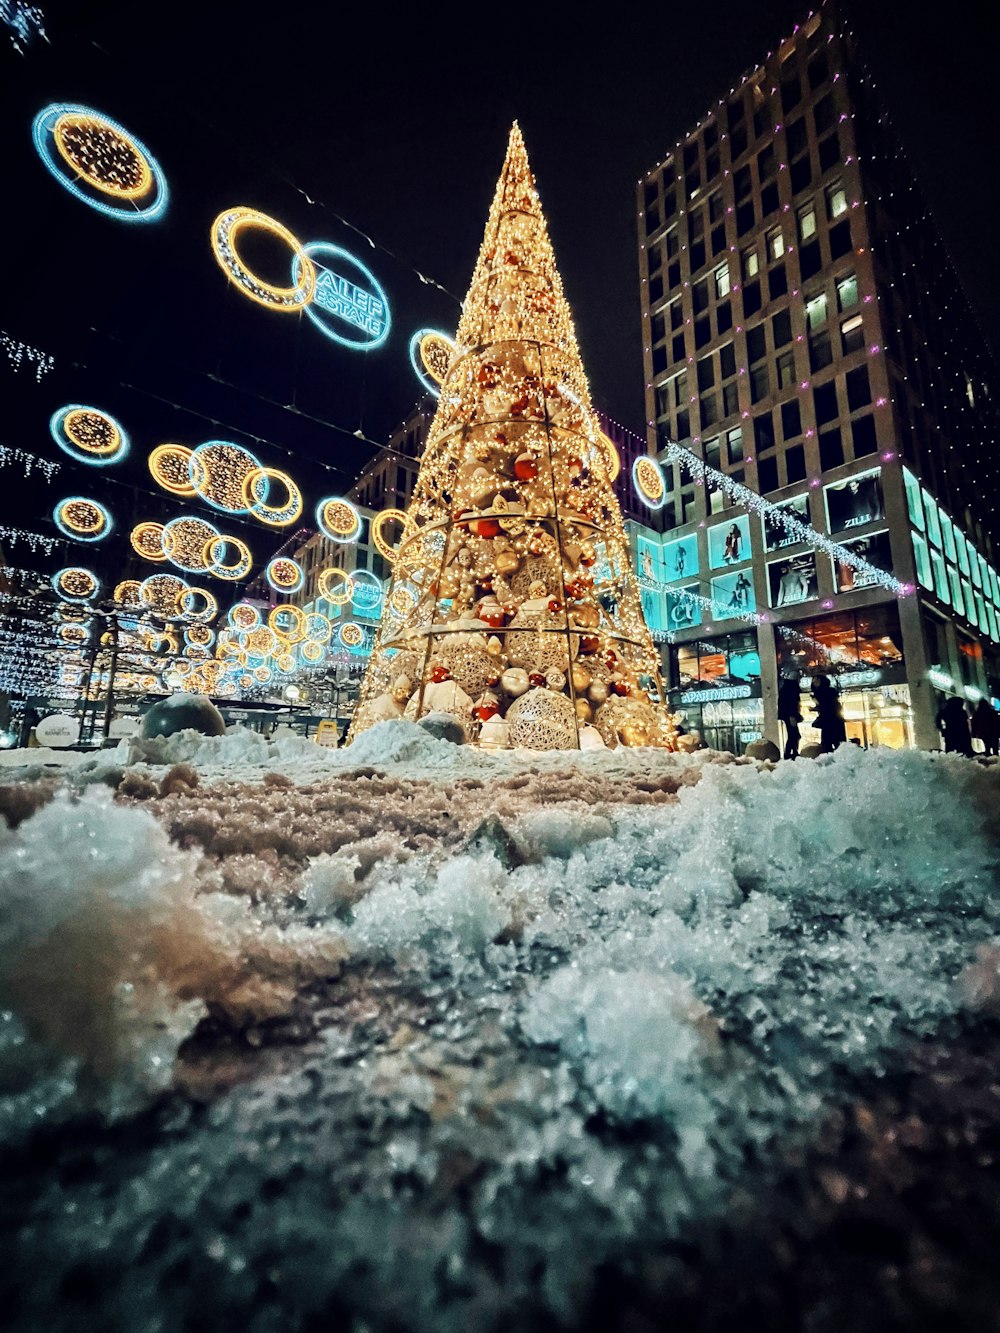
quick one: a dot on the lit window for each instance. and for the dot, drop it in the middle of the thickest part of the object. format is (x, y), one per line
(751, 263)
(722, 281)
(836, 201)
(816, 311)
(852, 334)
(847, 292)
(775, 243)
(807, 223)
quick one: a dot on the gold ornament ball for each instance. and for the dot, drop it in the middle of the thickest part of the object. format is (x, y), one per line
(515, 681)
(584, 712)
(581, 678)
(507, 563)
(597, 692)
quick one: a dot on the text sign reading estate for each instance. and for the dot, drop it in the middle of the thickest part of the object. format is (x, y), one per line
(349, 304)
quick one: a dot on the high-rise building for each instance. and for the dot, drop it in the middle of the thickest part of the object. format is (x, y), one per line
(807, 338)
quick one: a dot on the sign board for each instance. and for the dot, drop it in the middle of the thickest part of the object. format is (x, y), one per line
(327, 734)
(123, 726)
(57, 731)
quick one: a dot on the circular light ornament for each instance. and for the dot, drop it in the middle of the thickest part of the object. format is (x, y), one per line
(348, 303)
(336, 586)
(127, 593)
(198, 604)
(185, 543)
(199, 635)
(285, 663)
(196, 651)
(228, 558)
(218, 471)
(256, 489)
(368, 591)
(261, 640)
(75, 633)
(649, 481)
(351, 635)
(226, 231)
(312, 652)
(402, 599)
(100, 162)
(338, 519)
(430, 354)
(147, 540)
(75, 583)
(88, 434)
(83, 520)
(612, 459)
(288, 622)
(262, 674)
(243, 616)
(318, 628)
(380, 520)
(285, 574)
(170, 466)
(161, 593)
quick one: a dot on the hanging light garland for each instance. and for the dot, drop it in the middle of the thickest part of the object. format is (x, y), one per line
(21, 458)
(35, 541)
(21, 353)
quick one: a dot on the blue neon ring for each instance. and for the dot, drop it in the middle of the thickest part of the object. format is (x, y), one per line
(80, 455)
(42, 132)
(315, 248)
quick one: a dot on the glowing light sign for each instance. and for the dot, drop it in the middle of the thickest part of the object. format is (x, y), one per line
(100, 163)
(344, 300)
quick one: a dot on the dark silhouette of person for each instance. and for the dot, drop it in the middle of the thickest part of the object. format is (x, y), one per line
(986, 726)
(734, 539)
(829, 719)
(953, 724)
(789, 703)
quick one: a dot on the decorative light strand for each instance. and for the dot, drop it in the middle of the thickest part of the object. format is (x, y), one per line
(28, 461)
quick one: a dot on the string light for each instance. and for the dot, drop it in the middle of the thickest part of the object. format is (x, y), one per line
(128, 593)
(385, 516)
(75, 583)
(146, 539)
(187, 542)
(21, 458)
(338, 519)
(83, 520)
(198, 604)
(351, 635)
(431, 352)
(161, 593)
(169, 465)
(100, 163)
(284, 574)
(256, 488)
(335, 586)
(219, 470)
(20, 353)
(242, 616)
(226, 230)
(228, 558)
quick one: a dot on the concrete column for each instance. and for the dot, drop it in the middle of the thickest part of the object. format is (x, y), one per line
(922, 695)
(767, 649)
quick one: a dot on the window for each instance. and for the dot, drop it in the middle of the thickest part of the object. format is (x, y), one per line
(690, 155)
(763, 431)
(863, 433)
(807, 222)
(730, 399)
(816, 311)
(738, 142)
(751, 298)
(852, 334)
(745, 218)
(781, 328)
(711, 135)
(797, 138)
(786, 370)
(769, 200)
(829, 152)
(741, 183)
(722, 281)
(683, 424)
(734, 445)
(777, 280)
(836, 201)
(677, 347)
(723, 317)
(825, 403)
(653, 218)
(775, 243)
(831, 451)
(718, 239)
(766, 163)
(670, 203)
(727, 361)
(655, 258)
(697, 255)
(810, 260)
(659, 328)
(847, 292)
(791, 93)
(716, 208)
(791, 419)
(709, 409)
(673, 242)
(676, 313)
(702, 332)
(756, 345)
(824, 114)
(680, 388)
(820, 350)
(659, 360)
(706, 372)
(696, 224)
(760, 385)
(751, 263)
(840, 239)
(767, 475)
(818, 70)
(699, 296)
(801, 175)
(859, 391)
(795, 464)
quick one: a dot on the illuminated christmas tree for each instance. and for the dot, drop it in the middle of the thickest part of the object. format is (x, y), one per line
(512, 605)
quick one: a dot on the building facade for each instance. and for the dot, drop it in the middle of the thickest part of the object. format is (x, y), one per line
(806, 338)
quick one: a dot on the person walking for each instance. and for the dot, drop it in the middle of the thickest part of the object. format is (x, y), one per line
(953, 724)
(789, 704)
(985, 726)
(829, 715)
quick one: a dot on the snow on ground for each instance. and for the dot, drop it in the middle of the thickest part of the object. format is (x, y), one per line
(433, 1037)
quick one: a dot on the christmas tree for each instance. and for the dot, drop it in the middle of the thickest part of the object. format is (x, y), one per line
(512, 605)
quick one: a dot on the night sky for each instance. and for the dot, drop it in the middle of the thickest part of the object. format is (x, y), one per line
(394, 128)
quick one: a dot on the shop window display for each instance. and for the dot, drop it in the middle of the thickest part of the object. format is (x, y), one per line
(875, 549)
(729, 543)
(854, 502)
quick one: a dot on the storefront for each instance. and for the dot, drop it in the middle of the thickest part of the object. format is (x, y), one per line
(717, 690)
(861, 652)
